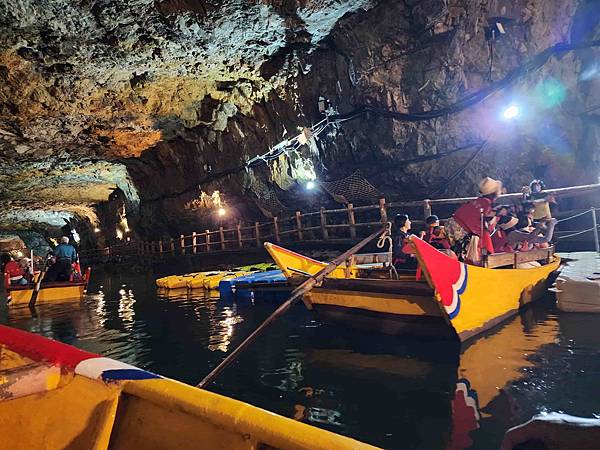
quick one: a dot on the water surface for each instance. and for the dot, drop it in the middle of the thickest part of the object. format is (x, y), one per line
(396, 393)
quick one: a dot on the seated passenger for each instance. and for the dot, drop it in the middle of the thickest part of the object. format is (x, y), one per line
(400, 259)
(25, 264)
(430, 223)
(506, 224)
(13, 269)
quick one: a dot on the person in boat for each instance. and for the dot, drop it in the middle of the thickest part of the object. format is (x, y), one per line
(430, 223)
(476, 219)
(400, 259)
(14, 270)
(64, 256)
(25, 264)
(519, 233)
(543, 203)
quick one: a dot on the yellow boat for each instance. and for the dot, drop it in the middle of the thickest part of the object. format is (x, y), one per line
(212, 282)
(454, 299)
(49, 292)
(197, 282)
(175, 281)
(103, 403)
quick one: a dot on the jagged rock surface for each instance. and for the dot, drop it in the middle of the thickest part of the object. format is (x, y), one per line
(157, 97)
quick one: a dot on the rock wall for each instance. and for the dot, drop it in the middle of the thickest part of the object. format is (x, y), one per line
(165, 100)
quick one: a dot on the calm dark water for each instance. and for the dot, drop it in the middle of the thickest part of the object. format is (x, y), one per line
(391, 392)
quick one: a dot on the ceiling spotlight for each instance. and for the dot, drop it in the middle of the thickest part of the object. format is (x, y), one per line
(310, 185)
(96, 230)
(511, 112)
(221, 211)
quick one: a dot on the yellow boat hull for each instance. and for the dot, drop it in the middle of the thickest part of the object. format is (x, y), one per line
(465, 300)
(107, 404)
(49, 292)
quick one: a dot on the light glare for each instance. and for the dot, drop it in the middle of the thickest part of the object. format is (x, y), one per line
(221, 211)
(511, 112)
(310, 185)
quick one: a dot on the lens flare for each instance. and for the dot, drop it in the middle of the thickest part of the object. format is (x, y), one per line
(310, 185)
(511, 112)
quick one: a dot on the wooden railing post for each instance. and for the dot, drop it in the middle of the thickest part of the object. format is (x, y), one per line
(153, 247)
(299, 224)
(239, 235)
(382, 210)
(182, 243)
(207, 241)
(194, 242)
(257, 234)
(276, 229)
(222, 237)
(160, 247)
(172, 246)
(426, 208)
(351, 220)
(324, 231)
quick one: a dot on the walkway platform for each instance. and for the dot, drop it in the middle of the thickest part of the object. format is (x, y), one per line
(578, 285)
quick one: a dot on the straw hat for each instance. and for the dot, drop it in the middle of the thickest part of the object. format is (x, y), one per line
(512, 222)
(489, 186)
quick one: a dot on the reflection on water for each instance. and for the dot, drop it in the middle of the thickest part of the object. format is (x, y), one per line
(391, 392)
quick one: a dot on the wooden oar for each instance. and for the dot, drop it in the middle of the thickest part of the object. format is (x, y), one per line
(296, 295)
(36, 289)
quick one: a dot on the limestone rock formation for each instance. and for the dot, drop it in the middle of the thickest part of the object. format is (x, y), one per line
(165, 99)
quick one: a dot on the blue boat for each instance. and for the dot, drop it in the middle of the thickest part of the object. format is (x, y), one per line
(260, 280)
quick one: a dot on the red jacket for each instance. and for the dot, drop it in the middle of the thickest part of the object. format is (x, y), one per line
(13, 269)
(469, 217)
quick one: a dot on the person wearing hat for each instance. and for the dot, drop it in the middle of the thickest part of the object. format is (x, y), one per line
(477, 217)
(506, 224)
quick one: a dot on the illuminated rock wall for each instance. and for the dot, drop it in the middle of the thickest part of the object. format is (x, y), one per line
(160, 98)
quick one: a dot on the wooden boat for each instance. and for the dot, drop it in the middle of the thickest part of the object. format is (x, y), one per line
(453, 299)
(55, 396)
(49, 292)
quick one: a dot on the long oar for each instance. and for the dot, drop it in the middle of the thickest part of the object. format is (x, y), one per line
(36, 289)
(296, 295)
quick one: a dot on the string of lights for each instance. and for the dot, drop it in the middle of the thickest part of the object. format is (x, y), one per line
(293, 144)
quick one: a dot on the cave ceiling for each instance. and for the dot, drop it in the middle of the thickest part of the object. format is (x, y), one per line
(156, 98)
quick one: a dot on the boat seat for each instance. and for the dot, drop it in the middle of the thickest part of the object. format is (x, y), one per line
(514, 259)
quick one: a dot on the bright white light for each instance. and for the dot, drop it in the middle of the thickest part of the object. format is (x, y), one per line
(119, 234)
(511, 112)
(19, 254)
(96, 230)
(310, 185)
(221, 211)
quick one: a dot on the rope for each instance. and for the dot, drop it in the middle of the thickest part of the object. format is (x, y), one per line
(575, 234)
(576, 215)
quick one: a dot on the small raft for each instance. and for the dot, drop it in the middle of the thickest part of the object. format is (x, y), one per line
(210, 279)
(55, 396)
(262, 280)
(49, 292)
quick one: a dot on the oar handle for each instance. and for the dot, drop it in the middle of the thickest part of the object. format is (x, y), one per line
(296, 294)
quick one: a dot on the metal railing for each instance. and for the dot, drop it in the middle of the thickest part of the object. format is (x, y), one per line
(325, 225)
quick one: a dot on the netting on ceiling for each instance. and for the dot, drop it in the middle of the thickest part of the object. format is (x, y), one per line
(352, 189)
(267, 200)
